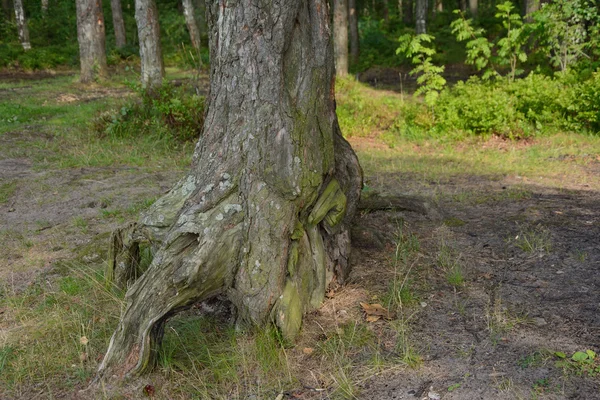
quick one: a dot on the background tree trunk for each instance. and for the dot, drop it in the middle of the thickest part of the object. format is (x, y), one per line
(340, 34)
(409, 12)
(118, 23)
(190, 21)
(473, 7)
(44, 7)
(400, 10)
(530, 7)
(91, 37)
(262, 217)
(463, 5)
(7, 9)
(421, 16)
(22, 25)
(146, 17)
(353, 24)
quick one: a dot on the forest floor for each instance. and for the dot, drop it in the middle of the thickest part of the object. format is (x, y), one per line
(489, 294)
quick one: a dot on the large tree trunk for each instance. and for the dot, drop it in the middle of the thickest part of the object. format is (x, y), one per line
(22, 25)
(473, 7)
(190, 21)
(353, 24)
(146, 18)
(340, 34)
(262, 217)
(118, 23)
(421, 16)
(91, 37)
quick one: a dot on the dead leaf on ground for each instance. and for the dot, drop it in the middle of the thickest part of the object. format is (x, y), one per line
(308, 350)
(375, 312)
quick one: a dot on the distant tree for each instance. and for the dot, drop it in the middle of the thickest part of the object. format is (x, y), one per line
(463, 5)
(146, 17)
(22, 25)
(92, 40)
(44, 7)
(408, 12)
(473, 7)
(353, 23)
(340, 36)
(421, 16)
(531, 6)
(118, 23)
(190, 21)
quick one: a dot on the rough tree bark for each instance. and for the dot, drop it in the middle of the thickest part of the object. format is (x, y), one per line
(22, 25)
(263, 216)
(118, 23)
(473, 5)
(340, 34)
(190, 21)
(91, 37)
(353, 25)
(421, 16)
(146, 18)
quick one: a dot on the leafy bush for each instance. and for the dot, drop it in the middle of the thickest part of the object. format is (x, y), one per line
(170, 112)
(481, 108)
(583, 106)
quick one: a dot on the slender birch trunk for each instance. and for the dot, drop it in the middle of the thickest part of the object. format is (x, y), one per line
(22, 25)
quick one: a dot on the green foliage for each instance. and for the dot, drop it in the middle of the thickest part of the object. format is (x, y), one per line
(167, 112)
(480, 108)
(580, 363)
(479, 48)
(430, 79)
(511, 48)
(561, 32)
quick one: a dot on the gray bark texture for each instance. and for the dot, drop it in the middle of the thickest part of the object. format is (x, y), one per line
(118, 23)
(340, 34)
(146, 18)
(263, 216)
(353, 25)
(44, 6)
(22, 25)
(473, 5)
(421, 16)
(190, 21)
(92, 40)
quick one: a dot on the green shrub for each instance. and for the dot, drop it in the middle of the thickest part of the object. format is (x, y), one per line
(170, 112)
(480, 108)
(583, 107)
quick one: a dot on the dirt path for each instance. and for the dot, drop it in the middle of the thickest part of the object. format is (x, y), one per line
(531, 263)
(52, 213)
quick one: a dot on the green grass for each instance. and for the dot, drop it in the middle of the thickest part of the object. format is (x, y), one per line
(7, 190)
(50, 321)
